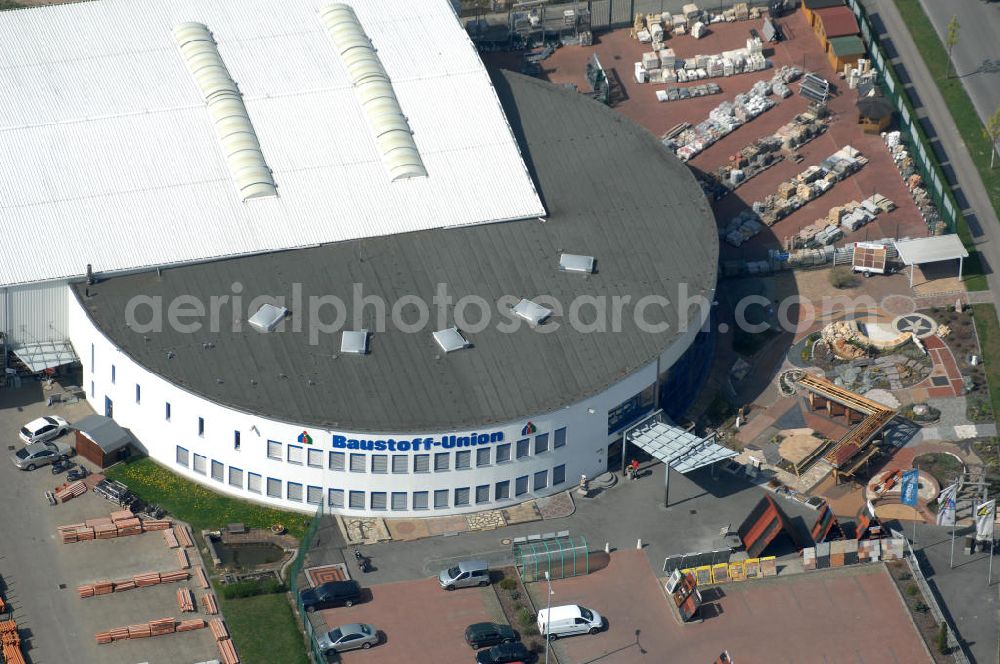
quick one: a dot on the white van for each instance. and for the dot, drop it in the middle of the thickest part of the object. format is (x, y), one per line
(569, 620)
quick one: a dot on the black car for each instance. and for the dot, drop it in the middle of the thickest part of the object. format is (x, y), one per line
(481, 635)
(505, 652)
(330, 594)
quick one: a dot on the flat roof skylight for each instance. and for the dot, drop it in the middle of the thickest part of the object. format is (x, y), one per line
(352, 341)
(576, 263)
(268, 317)
(450, 339)
(535, 314)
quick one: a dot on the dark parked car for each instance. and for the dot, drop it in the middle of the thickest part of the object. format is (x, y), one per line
(481, 635)
(331, 594)
(505, 653)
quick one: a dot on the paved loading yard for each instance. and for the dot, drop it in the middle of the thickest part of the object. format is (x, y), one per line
(848, 615)
(419, 621)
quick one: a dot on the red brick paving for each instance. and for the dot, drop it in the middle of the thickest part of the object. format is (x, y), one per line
(841, 617)
(421, 622)
(944, 365)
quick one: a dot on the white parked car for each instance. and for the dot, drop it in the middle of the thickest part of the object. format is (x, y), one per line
(43, 429)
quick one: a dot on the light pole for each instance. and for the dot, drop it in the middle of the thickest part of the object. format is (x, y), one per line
(548, 616)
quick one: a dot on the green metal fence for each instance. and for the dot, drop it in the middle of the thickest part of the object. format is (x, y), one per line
(561, 558)
(295, 578)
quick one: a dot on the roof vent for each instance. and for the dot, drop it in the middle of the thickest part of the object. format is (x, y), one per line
(268, 317)
(450, 339)
(354, 342)
(535, 314)
(576, 263)
(374, 90)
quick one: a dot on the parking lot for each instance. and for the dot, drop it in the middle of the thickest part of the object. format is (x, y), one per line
(418, 620)
(42, 574)
(845, 615)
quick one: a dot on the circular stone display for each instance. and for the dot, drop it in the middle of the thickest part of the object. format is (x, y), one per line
(919, 324)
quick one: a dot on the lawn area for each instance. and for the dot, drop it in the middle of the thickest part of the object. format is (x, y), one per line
(962, 111)
(264, 629)
(943, 467)
(199, 506)
(988, 329)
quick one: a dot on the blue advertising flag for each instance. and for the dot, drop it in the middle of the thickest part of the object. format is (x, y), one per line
(909, 485)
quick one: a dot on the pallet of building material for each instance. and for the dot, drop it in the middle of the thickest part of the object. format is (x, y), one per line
(147, 579)
(85, 591)
(182, 558)
(768, 566)
(185, 600)
(121, 515)
(183, 535)
(219, 629)
(162, 626)
(192, 624)
(124, 584)
(209, 604)
(103, 637)
(202, 579)
(104, 588)
(155, 524)
(70, 491)
(174, 575)
(171, 539)
(228, 652)
(809, 558)
(139, 631)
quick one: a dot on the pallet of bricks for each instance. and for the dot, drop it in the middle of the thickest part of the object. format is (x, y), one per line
(223, 640)
(69, 491)
(10, 643)
(149, 629)
(119, 524)
(138, 581)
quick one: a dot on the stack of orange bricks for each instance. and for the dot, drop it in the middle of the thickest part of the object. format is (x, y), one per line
(202, 579)
(119, 524)
(209, 604)
(157, 627)
(183, 535)
(182, 557)
(225, 643)
(185, 600)
(10, 643)
(70, 491)
(138, 581)
(188, 625)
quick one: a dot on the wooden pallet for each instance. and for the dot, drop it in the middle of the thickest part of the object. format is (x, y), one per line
(209, 604)
(185, 600)
(219, 629)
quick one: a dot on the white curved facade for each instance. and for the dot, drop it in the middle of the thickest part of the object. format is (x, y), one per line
(253, 457)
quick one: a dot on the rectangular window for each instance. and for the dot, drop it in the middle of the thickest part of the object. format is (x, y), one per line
(274, 450)
(482, 494)
(314, 457)
(399, 500)
(335, 497)
(336, 460)
(138, 393)
(357, 499)
(113, 372)
(92, 389)
(380, 463)
(630, 410)
(201, 426)
(541, 443)
(503, 452)
(235, 477)
(558, 475)
(378, 500)
(273, 488)
(314, 495)
(541, 480)
(218, 471)
(236, 440)
(199, 464)
(502, 490)
(483, 456)
(420, 500)
(295, 454)
(400, 463)
(182, 456)
(522, 448)
(253, 482)
(559, 438)
(421, 463)
(461, 496)
(441, 499)
(91, 358)
(521, 485)
(442, 461)
(463, 459)
(357, 463)
(166, 411)
(295, 492)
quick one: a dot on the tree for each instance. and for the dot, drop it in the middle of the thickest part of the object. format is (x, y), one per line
(942, 639)
(951, 40)
(991, 131)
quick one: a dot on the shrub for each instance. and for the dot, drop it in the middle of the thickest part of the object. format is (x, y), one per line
(508, 583)
(912, 590)
(841, 277)
(525, 616)
(531, 630)
(942, 639)
(920, 607)
(252, 588)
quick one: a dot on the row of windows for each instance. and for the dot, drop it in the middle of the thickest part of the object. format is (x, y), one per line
(374, 500)
(415, 463)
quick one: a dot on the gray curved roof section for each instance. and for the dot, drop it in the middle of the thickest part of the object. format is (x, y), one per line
(225, 106)
(374, 91)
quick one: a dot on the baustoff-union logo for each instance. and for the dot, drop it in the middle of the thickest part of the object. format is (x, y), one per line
(528, 429)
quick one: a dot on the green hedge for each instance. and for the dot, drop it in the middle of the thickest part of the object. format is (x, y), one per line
(252, 588)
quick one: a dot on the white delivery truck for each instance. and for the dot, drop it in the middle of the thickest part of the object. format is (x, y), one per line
(569, 620)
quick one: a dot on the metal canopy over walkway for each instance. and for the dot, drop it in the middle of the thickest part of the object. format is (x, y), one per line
(44, 355)
(677, 448)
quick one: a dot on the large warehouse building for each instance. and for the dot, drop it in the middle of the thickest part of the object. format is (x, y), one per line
(336, 261)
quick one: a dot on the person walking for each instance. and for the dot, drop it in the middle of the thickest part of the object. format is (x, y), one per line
(635, 468)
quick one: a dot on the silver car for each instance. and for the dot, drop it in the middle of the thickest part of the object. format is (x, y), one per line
(349, 637)
(40, 454)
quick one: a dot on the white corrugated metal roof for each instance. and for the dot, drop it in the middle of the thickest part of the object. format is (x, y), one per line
(931, 249)
(113, 160)
(683, 450)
